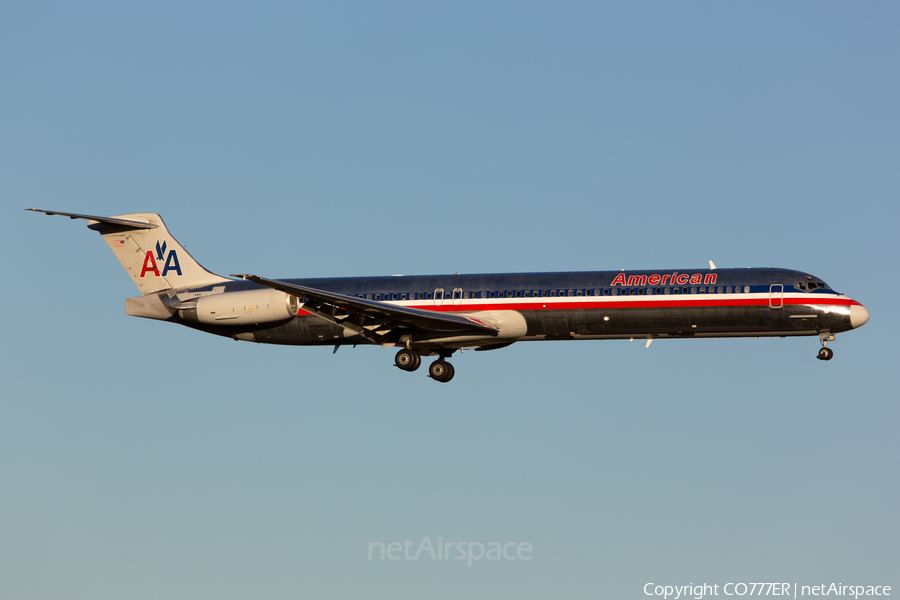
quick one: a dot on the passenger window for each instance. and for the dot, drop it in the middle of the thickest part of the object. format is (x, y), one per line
(606, 292)
(719, 289)
(703, 289)
(428, 296)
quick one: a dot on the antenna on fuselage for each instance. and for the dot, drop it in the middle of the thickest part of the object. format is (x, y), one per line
(712, 266)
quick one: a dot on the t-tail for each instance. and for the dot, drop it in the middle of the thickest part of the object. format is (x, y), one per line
(154, 260)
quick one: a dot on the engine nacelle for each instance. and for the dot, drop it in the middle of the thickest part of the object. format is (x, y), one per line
(251, 307)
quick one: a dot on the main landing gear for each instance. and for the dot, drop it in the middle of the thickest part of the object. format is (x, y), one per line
(824, 352)
(409, 360)
(441, 370)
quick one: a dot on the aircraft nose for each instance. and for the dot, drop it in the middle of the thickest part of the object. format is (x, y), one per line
(858, 315)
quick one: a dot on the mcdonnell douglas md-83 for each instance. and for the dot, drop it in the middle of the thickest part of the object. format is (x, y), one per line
(435, 315)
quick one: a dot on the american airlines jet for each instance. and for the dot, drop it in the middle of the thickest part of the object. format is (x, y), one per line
(436, 315)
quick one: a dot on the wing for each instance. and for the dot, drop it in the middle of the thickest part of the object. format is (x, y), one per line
(379, 322)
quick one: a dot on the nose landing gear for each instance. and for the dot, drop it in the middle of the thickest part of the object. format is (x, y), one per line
(824, 352)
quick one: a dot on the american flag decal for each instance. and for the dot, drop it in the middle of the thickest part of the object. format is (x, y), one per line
(119, 243)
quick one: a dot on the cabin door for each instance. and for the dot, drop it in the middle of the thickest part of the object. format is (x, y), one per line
(776, 295)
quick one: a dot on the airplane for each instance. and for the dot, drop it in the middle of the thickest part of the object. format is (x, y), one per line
(436, 315)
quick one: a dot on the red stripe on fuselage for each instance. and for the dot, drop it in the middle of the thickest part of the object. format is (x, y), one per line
(475, 305)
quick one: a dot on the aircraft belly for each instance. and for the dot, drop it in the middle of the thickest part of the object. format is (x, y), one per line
(303, 330)
(663, 321)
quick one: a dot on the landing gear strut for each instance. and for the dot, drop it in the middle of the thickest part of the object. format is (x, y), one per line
(824, 352)
(441, 370)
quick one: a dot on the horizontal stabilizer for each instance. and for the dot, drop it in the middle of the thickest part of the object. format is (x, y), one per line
(122, 223)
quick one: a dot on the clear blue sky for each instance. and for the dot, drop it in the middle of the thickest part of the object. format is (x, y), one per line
(143, 460)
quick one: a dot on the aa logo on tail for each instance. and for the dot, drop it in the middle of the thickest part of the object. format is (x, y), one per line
(171, 261)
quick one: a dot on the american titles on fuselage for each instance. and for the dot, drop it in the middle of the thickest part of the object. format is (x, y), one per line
(672, 278)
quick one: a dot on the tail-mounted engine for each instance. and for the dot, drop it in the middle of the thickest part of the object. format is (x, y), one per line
(252, 307)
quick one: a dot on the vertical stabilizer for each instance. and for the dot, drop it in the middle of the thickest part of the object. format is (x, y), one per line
(152, 257)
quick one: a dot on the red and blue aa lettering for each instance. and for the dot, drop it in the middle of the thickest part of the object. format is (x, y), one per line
(171, 261)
